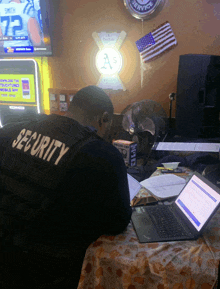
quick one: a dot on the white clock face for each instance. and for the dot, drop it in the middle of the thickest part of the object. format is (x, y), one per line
(109, 61)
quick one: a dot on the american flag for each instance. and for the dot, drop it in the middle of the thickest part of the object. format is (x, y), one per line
(157, 42)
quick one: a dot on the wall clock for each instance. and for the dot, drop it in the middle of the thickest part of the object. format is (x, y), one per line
(143, 9)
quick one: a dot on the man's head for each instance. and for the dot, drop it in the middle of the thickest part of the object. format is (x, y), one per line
(91, 106)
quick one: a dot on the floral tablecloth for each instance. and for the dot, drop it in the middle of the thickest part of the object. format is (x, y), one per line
(116, 262)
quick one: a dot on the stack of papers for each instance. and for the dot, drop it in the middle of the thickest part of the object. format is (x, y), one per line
(164, 186)
(161, 187)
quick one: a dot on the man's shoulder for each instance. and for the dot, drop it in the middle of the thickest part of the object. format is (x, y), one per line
(99, 143)
(21, 121)
(101, 149)
(36, 119)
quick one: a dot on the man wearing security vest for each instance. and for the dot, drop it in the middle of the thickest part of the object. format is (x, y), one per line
(62, 187)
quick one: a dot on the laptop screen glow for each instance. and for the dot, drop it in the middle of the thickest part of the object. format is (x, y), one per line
(197, 201)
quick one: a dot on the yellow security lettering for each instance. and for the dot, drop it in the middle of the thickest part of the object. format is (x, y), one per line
(28, 146)
(48, 150)
(62, 153)
(33, 150)
(43, 146)
(15, 142)
(24, 139)
(40, 145)
(56, 145)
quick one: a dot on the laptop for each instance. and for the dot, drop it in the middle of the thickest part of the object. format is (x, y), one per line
(183, 219)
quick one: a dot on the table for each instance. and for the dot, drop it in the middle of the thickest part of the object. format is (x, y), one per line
(122, 262)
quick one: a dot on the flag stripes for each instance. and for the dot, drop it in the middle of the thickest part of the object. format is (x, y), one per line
(164, 39)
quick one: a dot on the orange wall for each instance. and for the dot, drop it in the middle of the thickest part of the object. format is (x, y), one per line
(194, 23)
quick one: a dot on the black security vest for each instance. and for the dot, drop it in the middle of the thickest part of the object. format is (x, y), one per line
(36, 164)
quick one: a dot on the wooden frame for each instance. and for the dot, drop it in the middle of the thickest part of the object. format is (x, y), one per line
(60, 100)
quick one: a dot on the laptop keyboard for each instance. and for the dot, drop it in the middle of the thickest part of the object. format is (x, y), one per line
(165, 222)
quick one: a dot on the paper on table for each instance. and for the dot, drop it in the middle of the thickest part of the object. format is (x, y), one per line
(176, 146)
(164, 186)
(134, 186)
(184, 146)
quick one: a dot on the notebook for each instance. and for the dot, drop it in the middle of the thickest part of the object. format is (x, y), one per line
(183, 219)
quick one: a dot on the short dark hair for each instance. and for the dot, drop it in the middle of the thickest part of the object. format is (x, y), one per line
(92, 100)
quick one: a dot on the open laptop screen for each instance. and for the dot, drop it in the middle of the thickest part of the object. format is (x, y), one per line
(197, 201)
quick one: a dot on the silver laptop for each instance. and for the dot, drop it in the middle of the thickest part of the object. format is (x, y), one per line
(183, 219)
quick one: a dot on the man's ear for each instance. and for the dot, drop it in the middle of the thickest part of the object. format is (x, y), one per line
(105, 116)
(103, 119)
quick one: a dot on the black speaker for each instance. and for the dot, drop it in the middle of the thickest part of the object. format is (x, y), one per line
(198, 96)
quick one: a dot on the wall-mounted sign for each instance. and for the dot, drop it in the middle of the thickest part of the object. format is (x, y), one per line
(63, 106)
(62, 97)
(109, 59)
(143, 9)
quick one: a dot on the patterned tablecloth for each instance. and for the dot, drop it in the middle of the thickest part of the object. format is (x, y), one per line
(122, 262)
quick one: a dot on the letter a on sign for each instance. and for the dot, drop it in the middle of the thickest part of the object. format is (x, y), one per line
(109, 60)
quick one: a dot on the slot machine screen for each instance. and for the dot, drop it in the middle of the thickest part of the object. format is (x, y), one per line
(19, 88)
